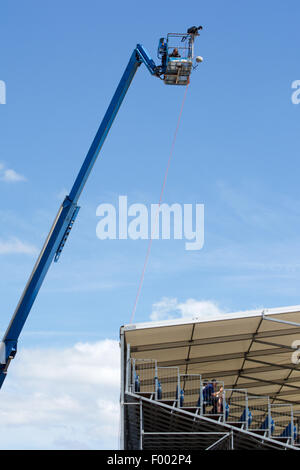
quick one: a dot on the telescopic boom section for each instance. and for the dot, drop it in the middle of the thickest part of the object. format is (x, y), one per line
(66, 214)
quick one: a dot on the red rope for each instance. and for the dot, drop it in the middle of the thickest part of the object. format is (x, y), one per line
(159, 204)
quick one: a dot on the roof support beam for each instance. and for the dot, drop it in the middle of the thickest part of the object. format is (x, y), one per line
(221, 357)
(263, 382)
(248, 352)
(266, 367)
(277, 345)
(189, 351)
(277, 320)
(286, 366)
(214, 340)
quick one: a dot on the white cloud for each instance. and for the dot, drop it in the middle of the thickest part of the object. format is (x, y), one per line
(15, 246)
(62, 398)
(169, 308)
(165, 309)
(199, 308)
(11, 176)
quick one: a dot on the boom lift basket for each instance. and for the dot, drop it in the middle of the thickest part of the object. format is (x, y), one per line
(178, 67)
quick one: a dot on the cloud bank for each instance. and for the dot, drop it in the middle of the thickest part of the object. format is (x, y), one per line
(9, 175)
(62, 399)
(169, 308)
(68, 398)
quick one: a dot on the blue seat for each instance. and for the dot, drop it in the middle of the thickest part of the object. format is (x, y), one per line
(227, 410)
(181, 397)
(137, 383)
(244, 416)
(287, 432)
(159, 390)
(268, 424)
(180, 394)
(249, 418)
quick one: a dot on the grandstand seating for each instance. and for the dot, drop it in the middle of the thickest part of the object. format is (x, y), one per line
(229, 406)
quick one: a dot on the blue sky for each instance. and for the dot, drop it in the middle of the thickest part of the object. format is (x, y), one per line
(236, 153)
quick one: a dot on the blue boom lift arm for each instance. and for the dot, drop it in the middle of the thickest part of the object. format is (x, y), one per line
(67, 212)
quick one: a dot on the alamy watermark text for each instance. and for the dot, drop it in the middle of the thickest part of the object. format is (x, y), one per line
(2, 92)
(296, 94)
(159, 222)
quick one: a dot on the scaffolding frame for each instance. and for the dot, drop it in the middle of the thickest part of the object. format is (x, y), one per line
(194, 393)
(263, 409)
(236, 407)
(154, 425)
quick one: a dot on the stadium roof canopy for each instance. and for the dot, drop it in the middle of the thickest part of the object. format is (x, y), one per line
(250, 350)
